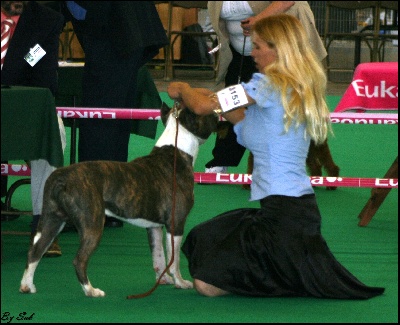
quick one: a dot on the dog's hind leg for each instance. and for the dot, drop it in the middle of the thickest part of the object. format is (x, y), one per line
(90, 235)
(48, 229)
(27, 285)
(325, 157)
(175, 267)
(155, 236)
(313, 163)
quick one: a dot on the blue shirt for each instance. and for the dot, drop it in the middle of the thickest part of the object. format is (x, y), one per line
(279, 156)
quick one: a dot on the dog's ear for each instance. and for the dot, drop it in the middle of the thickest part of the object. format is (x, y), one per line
(164, 112)
(201, 126)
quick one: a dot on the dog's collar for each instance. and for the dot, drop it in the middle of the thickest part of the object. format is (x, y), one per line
(187, 141)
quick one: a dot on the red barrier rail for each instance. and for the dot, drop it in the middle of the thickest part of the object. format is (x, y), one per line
(109, 113)
(221, 178)
(151, 114)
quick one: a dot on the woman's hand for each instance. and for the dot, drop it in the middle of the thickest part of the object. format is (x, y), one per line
(196, 99)
(175, 90)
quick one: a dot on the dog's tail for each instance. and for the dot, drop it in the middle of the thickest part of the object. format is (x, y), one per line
(58, 186)
(54, 191)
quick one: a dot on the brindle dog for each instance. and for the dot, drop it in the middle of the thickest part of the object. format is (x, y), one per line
(139, 192)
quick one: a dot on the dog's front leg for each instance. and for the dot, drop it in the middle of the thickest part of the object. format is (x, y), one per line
(175, 267)
(155, 236)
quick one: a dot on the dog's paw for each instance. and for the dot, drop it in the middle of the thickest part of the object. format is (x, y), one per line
(166, 279)
(92, 292)
(96, 293)
(331, 188)
(183, 284)
(24, 288)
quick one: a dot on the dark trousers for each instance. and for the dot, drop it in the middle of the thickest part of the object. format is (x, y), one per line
(4, 182)
(108, 81)
(227, 152)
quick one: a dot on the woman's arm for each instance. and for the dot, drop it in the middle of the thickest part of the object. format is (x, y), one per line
(235, 116)
(203, 101)
(276, 7)
(196, 99)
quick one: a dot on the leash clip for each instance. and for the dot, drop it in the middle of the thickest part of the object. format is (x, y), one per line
(176, 109)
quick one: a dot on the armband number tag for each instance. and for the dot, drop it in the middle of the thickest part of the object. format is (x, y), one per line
(232, 97)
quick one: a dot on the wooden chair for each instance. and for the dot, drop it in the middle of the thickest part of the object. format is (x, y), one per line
(174, 35)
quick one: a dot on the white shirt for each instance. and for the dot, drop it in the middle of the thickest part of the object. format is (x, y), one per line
(233, 12)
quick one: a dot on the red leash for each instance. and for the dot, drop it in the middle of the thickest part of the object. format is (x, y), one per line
(142, 295)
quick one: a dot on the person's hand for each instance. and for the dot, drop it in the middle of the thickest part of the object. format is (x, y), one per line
(247, 25)
(174, 90)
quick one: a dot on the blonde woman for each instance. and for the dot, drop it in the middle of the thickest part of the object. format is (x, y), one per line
(277, 250)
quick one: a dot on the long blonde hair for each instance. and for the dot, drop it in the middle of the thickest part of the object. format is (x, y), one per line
(297, 73)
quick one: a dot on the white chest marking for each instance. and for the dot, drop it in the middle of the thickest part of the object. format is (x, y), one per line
(186, 141)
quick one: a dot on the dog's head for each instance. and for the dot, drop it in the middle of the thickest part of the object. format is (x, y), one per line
(200, 126)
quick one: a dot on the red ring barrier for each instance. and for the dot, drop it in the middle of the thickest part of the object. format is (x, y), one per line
(220, 178)
(151, 114)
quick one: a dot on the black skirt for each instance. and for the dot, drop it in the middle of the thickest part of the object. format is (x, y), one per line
(274, 251)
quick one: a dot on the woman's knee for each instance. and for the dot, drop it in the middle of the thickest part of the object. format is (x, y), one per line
(208, 290)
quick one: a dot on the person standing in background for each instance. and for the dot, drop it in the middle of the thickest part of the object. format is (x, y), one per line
(117, 37)
(232, 21)
(33, 24)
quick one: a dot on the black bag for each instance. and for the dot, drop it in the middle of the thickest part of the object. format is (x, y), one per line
(194, 49)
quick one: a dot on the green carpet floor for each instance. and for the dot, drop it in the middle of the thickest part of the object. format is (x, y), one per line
(122, 264)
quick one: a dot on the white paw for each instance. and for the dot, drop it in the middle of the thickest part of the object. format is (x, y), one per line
(24, 288)
(95, 292)
(183, 284)
(92, 292)
(166, 279)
